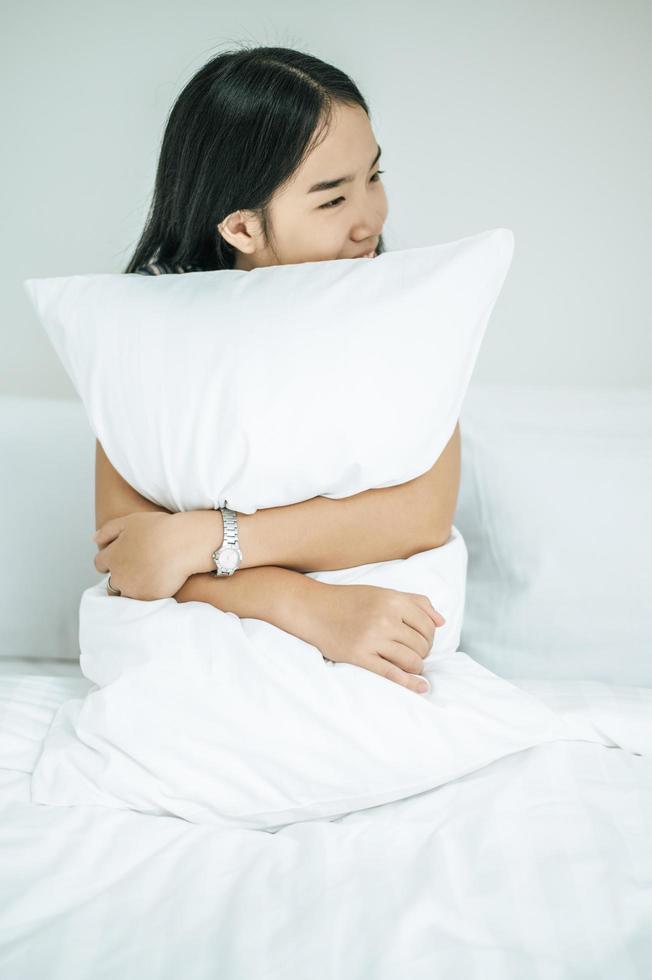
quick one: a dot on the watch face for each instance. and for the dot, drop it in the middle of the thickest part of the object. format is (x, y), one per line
(229, 558)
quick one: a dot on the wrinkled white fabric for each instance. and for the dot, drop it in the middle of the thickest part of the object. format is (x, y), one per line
(233, 722)
(287, 382)
(265, 388)
(537, 865)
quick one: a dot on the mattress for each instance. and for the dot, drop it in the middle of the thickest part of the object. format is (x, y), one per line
(536, 866)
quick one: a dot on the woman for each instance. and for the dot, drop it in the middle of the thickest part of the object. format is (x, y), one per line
(269, 157)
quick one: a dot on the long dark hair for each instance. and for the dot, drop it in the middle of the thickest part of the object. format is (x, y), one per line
(238, 130)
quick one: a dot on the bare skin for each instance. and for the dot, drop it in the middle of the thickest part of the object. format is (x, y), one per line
(152, 553)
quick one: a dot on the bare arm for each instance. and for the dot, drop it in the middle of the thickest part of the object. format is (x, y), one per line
(375, 525)
(276, 595)
(316, 534)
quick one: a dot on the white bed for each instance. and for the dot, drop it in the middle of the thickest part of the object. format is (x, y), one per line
(536, 866)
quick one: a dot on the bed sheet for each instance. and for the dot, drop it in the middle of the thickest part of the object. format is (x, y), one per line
(538, 865)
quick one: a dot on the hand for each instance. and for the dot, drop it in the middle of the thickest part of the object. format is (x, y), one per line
(148, 553)
(383, 630)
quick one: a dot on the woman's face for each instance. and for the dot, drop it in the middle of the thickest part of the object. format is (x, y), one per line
(309, 224)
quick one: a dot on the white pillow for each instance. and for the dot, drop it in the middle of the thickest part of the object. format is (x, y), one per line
(266, 388)
(219, 720)
(554, 507)
(280, 384)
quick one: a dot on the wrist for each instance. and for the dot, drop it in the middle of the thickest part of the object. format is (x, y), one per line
(304, 599)
(201, 533)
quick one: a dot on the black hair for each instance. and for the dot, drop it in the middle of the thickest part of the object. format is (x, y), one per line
(239, 129)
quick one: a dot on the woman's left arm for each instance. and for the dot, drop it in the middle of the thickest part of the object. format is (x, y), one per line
(324, 533)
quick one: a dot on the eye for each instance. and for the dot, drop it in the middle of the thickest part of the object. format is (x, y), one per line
(332, 204)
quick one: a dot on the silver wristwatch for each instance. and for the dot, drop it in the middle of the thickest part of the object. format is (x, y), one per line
(227, 558)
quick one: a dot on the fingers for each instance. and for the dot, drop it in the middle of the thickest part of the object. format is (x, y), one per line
(424, 602)
(419, 636)
(385, 668)
(103, 558)
(404, 656)
(100, 561)
(108, 532)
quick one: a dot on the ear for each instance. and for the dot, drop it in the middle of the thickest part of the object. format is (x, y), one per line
(240, 229)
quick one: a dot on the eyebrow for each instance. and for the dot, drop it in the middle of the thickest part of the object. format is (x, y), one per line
(327, 185)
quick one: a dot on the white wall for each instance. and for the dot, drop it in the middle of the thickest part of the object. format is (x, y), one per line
(533, 116)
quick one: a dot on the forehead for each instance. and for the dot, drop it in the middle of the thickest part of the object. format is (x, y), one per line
(347, 147)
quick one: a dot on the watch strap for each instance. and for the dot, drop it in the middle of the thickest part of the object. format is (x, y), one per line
(230, 538)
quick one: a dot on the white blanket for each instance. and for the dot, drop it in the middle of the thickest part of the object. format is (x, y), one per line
(232, 722)
(538, 865)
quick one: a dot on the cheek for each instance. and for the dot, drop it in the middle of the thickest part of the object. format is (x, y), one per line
(384, 203)
(330, 231)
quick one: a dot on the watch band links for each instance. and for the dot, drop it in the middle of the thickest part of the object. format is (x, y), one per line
(230, 538)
